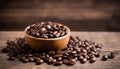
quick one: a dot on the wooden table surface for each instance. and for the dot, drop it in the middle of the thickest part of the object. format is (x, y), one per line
(109, 40)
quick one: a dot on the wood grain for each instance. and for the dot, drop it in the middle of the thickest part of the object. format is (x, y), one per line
(109, 40)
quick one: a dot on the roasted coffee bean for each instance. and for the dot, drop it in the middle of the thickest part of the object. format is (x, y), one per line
(57, 55)
(38, 62)
(25, 60)
(51, 52)
(93, 59)
(54, 60)
(57, 63)
(84, 60)
(97, 54)
(31, 59)
(73, 52)
(65, 61)
(59, 58)
(48, 27)
(11, 58)
(83, 50)
(111, 55)
(104, 57)
(80, 58)
(5, 50)
(50, 60)
(71, 62)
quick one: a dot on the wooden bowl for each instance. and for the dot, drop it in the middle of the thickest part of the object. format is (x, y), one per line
(43, 44)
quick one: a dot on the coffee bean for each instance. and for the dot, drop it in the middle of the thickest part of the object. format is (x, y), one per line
(54, 60)
(31, 59)
(59, 58)
(71, 62)
(25, 60)
(65, 61)
(38, 62)
(50, 60)
(11, 58)
(51, 52)
(57, 55)
(48, 27)
(80, 57)
(104, 57)
(43, 30)
(84, 60)
(57, 63)
(111, 55)
(93, 59)
(5, 50)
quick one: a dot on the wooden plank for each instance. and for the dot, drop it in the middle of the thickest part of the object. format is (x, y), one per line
(109, 40)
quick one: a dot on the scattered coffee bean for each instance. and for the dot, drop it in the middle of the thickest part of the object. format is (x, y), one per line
(31, 59)
(84, 60)
(39, 62)
(93, 59)
(71, 61)
(104, 57)
(11, 58)
(57, 63)
(25, 60)
(111, 55)
(5, 50)
(51, 52)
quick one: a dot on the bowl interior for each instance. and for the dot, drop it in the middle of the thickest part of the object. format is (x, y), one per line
(33, 37)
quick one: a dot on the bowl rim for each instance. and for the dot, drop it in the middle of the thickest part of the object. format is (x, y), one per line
(33, 37)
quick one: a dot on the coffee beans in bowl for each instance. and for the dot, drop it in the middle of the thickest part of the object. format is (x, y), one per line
(45, 36)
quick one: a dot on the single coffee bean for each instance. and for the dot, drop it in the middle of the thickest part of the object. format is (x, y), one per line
(54, 60)
(57, 55)
(59, 58)
(93, 59)
(38, 62)
(71, 62)
(66, 61)
(48, 27)
(84, 60)
(57, 63)
(5, 50)
(25, 60)
(11, 58)
(104, 57)
(43, 30)
(97, 54)
(31, 59)
(111, 55)
(80, 58)
(50, 60)
(51, 52)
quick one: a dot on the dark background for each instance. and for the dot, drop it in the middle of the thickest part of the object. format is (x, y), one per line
(79, 15)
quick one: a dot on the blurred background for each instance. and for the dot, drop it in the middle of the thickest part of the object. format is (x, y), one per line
(79, 15)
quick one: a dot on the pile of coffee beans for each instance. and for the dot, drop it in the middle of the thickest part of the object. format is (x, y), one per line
(77, 50)
(47, 30)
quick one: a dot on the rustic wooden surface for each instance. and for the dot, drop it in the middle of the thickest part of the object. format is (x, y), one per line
(109, 40)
